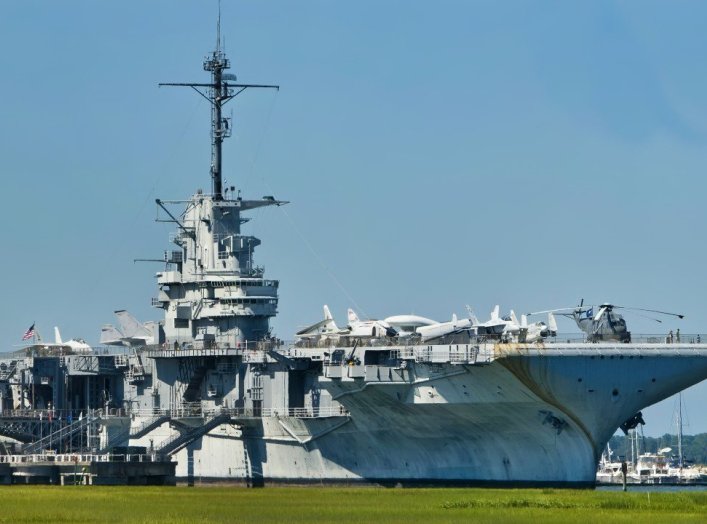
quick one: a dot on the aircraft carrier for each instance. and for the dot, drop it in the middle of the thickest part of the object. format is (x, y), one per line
(211, 388)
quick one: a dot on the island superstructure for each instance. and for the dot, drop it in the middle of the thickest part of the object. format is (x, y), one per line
(213, 292)
(211, 386)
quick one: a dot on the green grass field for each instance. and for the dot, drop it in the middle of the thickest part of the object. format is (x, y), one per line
(314, 504)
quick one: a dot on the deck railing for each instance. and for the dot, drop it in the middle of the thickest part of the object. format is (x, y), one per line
(256, 349)
(66, 415)
(198, 411)
(72, 458)
(562, 338)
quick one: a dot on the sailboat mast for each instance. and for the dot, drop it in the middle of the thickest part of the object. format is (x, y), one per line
(680, 430)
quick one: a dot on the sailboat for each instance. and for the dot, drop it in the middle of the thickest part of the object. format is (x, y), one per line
(684, 473)
(652, 468)
(664, 468)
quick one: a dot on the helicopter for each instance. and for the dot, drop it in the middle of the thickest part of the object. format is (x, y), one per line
(602, 323)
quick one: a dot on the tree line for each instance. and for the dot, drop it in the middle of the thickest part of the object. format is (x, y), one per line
(694, 447)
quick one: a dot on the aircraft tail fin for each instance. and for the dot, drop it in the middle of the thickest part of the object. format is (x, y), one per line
(495, 313)
(454, 319)
(472, 317)
(130, 326)
(111, 336)
(353, 317)
(523, 321)
(329, 324)
(153, 328)
(57, 335)
(514, 318)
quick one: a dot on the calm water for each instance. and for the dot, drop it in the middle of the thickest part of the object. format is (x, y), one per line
(655, 488)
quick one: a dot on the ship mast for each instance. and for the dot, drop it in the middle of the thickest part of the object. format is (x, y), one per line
(217, 63)
(220, 90)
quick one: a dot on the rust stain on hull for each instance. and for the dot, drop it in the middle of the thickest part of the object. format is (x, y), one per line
(513, 357)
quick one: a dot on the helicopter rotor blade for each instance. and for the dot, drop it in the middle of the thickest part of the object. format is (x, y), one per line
(652, 311)
(569, 310)
(601, 311)
(647, 317)
(551, 322)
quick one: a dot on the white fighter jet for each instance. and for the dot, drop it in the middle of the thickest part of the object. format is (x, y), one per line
(452, 327)
(367, 328)
(524, 332)
(323, 329)
(72, 346)
(131, 332)
(328, 330)
(507, 328)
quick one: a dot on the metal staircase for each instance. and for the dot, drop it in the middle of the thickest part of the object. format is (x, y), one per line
(148, 426)
(8, 371)
(136, 432)
(192, 392)
(57, 437)
(178, 441)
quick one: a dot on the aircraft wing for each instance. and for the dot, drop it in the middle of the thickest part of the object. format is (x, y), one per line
(409, 320)
(313, 327)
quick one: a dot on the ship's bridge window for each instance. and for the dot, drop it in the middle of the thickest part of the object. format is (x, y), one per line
(221, 283)
(252, 300)
(248, 283)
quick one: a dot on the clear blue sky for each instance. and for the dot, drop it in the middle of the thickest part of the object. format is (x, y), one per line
(435, 153)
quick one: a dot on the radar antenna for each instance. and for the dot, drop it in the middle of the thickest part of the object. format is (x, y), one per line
(219, 91)
(218, 28)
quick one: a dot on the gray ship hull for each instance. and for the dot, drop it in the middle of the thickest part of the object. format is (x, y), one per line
(210, 386)
(526, 417)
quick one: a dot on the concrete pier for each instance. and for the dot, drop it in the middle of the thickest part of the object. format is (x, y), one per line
(104, 469)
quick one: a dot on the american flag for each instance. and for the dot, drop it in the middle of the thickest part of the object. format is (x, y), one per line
(29, 333)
